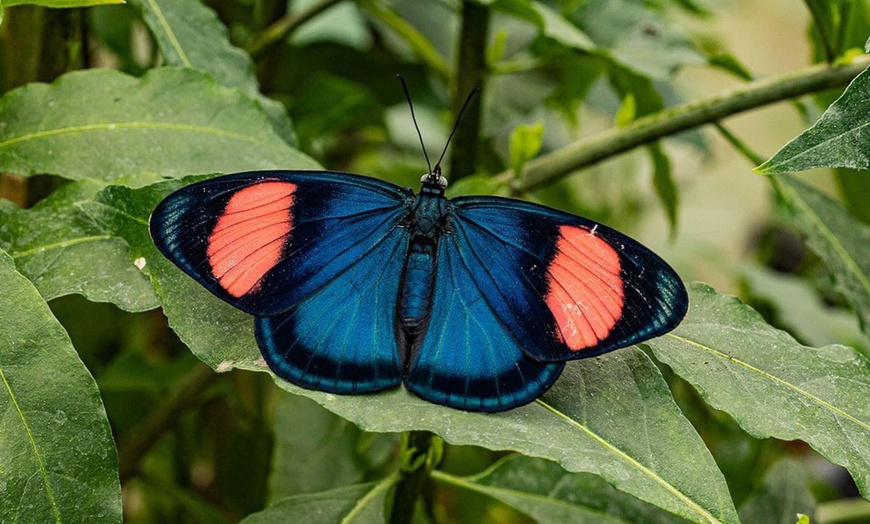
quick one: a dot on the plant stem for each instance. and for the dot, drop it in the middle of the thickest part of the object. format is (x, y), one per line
(470, 73)
(421, 451)
(754, 158)
(141, 438)
(285, 25)
(593, 149)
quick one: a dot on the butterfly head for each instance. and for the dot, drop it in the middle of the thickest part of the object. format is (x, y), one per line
(435, 178)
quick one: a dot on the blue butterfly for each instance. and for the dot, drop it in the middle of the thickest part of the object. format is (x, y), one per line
(359, 285)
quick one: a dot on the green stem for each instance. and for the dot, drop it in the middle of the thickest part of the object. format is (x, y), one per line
(739, 145)
(421, 452)
(281, 28)
(590, 150)
(470, 73)
(141, 438)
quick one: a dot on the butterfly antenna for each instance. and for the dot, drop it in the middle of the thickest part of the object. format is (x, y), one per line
(456, 125)
(414, 118)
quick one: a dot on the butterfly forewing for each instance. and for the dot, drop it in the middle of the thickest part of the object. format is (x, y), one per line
(566, 287)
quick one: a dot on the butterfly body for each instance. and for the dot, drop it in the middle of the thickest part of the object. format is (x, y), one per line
(358, 285)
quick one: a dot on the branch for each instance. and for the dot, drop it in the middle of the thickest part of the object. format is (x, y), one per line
(182, 397)
(285, 25)
(585, 152)
(470, 73)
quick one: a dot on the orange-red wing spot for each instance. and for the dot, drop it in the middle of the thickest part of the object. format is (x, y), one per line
(248, 238)
(585, 288)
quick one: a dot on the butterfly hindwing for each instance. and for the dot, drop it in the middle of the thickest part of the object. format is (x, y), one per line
(316, 257)
(564, 286)
(467, 358)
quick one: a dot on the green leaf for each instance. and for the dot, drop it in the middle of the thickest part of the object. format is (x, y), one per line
(839, 138)
(101, 124)
(549, 494)
(663, 183)
(550, 23)
(627, 111)
(772, 385)
(57, 458)
(63, 251)
(784, 496)
(612, 415)
(854, 188)
(837, 237)
(61, 3)
(636, 36)
(826, 17)
(316, 450)
(525, 143)
(800, 310)
(190, 35)
(732, 64)
(364, 503)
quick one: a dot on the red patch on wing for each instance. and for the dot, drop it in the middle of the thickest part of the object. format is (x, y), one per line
(585, 288)
(248, 238)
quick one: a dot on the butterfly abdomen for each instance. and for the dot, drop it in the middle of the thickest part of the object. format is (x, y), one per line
(416, 291)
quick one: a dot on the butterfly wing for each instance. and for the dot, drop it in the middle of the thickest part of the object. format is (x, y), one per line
(467, 358)
(265, 240)
(566, 287)
(316, 257)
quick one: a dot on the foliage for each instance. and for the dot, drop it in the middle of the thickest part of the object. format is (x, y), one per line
(723, 420)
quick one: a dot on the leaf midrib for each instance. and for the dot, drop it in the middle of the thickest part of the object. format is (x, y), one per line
(685, 499)
(111, 126)
(164, 23)
(39, 460)
(765, 374)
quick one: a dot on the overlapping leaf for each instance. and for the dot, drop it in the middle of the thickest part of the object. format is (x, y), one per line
(613, 416)
(101, 124)
(784, 495)
(549, 494)
(837, 237)
(361, 504)
(841, 137)
(315, 450)
(772, 385)
(58, 458)
(62, 251)
(191, 35)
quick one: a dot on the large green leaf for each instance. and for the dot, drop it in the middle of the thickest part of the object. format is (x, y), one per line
(57, 458)
(840, 239)
(613, 416)
(191, 35)
(63, 251)
(315, 450)
(101, 124)
(362, 504)
(636, 36)
(548, 493)
(550, 23)
(841, 137)
(784, 494)
(61, 3)
(798, 307)
(772, 385)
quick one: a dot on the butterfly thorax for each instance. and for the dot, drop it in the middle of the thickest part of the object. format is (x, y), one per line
(426, 222)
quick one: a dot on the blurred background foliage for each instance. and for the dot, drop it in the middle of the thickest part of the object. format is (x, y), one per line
(219, 447)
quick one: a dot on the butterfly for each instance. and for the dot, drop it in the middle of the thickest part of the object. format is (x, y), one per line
(358, 285)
